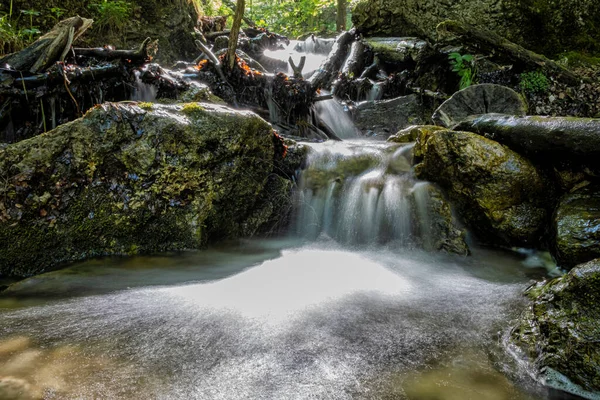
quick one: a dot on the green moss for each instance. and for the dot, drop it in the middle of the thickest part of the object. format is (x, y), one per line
(145, 106)
(191, 108)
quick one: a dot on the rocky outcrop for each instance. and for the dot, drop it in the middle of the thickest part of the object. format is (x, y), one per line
(476, 100)
(137, 178)
(576, 225)
(384, 117)
(559, 332)
(498, 193)
(545, 139)
(542, 26)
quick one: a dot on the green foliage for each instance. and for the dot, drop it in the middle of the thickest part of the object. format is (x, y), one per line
(111, 15)
(10, 40)
(294, 18)
(534, 82)
(464, 66)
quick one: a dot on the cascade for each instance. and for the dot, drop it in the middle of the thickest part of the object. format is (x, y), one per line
(143, 91)
(362, 192)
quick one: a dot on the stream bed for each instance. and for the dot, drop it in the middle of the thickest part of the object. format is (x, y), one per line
(269, 319)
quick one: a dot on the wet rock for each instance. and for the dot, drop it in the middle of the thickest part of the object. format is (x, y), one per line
(576, 225)
(498, 193)
(399, 50)
(130, 179)
(559, 332)
(476, 100)
(546, 29)
(294, 161)
(564, 139)
(384, 117)
(411, 133)
(438, 228)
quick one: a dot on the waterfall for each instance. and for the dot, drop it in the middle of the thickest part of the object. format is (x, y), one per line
(360, 193)
(296, 52)
(334, 115)
(143, 91)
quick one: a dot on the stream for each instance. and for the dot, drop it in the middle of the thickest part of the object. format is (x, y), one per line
(348, 305)
(348, 310)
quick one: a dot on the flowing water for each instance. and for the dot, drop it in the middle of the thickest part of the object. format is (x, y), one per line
(348, 307)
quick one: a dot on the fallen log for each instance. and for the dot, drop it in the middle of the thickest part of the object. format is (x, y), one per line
(49, 48)
(355, 62)
(139, 56)
(575, 141)
(328, 71)
(502, 49)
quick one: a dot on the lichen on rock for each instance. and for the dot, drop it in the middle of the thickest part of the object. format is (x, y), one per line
(499, 194)
(559, 332)
(127, 180)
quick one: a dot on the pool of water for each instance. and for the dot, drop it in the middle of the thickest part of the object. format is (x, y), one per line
(267, 320)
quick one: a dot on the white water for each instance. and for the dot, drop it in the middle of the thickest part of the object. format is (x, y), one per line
(362, 192)
(143, 91)
(333, 114)
(313, 60)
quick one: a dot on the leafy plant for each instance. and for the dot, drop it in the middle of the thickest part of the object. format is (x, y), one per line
(464, 66)
(111, 15)
(10, 40)
(57, 12)
(534, 82)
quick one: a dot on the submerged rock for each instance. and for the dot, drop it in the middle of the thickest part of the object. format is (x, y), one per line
(498, 193)
(547, 139)
(476, 100)
(576, 225)
(384, 117)
(134, 178)
(560, 331)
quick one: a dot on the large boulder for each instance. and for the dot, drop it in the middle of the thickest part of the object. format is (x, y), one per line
(476, 100)
(544, 26)
(560, 331)
(545, 139)
(384, 117)
(576, 226)
(136, 178)
(498, 193)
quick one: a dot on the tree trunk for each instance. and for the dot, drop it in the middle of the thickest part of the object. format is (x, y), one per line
(341, 15)
(235, 32)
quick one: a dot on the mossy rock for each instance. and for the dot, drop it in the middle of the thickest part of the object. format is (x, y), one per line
(576, 225)
(560, 331)
(127, 180)
(412, 133)
(547, 27)
(498, 193)
(399, 49)
(384, 117)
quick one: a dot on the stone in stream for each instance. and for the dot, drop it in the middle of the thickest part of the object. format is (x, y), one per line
(476, 100)
(132, 178)
(576, 226)
(545, 139)
(499, 194)
(384, 117)
(560, 331)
